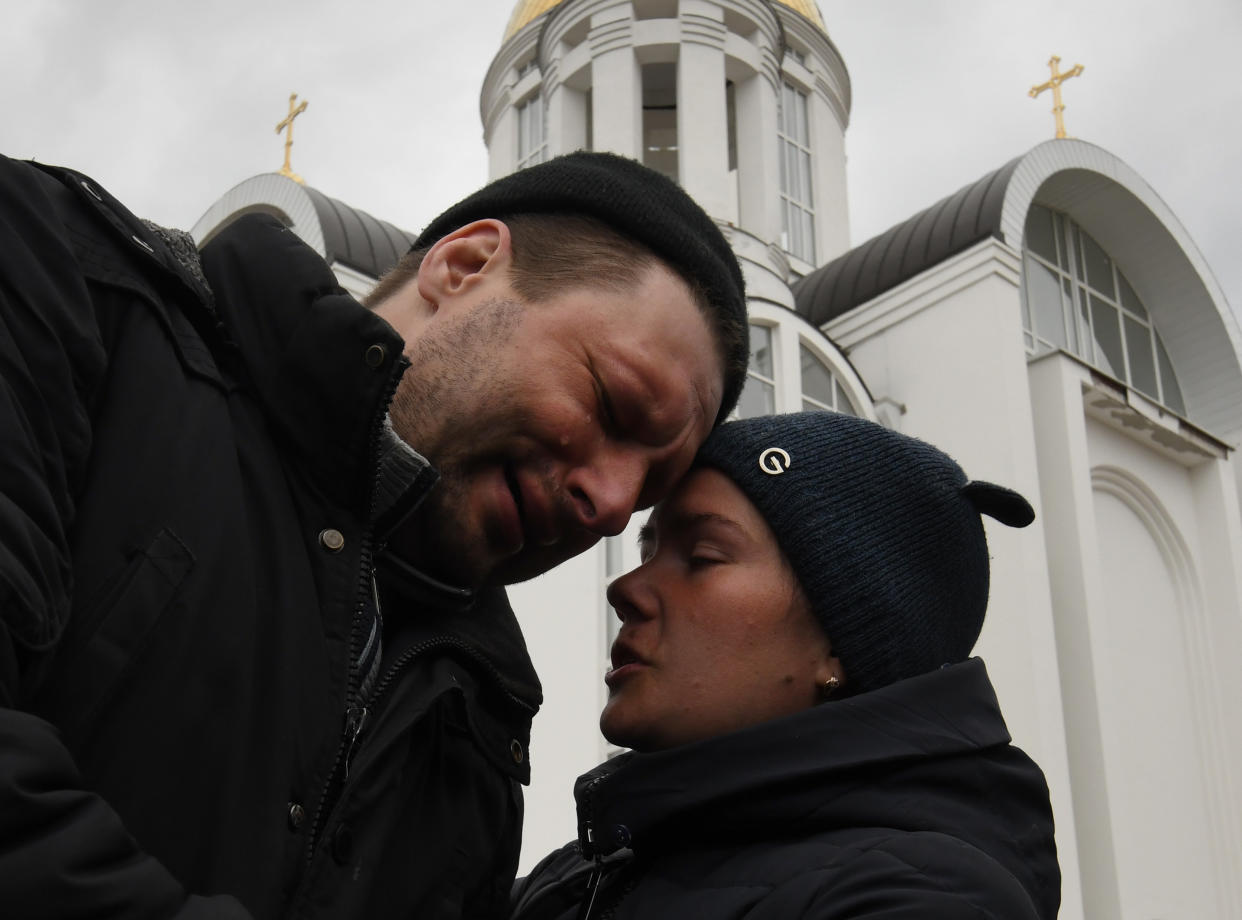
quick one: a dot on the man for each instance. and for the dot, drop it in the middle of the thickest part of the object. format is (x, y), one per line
(255, 659)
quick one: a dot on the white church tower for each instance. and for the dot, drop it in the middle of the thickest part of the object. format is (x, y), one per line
(744, 103)
(701, 91)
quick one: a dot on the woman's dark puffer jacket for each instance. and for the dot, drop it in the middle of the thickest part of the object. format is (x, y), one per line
(906, 802)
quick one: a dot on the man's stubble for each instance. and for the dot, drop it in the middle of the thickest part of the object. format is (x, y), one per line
(442, 406)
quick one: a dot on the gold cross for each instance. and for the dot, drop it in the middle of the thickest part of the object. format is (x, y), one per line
(1055, 85)
(287, 126)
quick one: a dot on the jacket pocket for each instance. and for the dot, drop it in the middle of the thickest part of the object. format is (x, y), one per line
(118, 629)
(504, 748)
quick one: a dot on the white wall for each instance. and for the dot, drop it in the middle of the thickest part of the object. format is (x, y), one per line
(1142, 551)
(1145, 686)
(562, 617)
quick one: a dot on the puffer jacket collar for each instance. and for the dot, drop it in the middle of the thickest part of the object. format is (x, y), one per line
(776, 771)
(921, 766)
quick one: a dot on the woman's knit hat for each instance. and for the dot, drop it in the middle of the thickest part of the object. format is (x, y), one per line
(882, 531)
(637, 202)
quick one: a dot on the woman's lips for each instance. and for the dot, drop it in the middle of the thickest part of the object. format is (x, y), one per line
(625, 663)
(618, 674)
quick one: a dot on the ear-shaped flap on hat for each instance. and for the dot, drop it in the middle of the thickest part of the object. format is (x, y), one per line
(1006, 505)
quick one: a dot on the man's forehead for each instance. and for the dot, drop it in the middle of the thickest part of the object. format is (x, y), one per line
(667, 355)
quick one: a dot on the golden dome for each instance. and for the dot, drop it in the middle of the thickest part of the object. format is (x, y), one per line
(529, 10)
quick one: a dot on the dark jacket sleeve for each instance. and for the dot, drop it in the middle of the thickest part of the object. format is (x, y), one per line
(63, 852)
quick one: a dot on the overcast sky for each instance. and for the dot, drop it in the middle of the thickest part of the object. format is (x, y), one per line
(170, 104)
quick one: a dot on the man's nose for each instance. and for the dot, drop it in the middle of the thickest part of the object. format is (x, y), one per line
(605, 491)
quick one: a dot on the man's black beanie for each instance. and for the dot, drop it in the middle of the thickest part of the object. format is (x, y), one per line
(637, 202)
(882, 531)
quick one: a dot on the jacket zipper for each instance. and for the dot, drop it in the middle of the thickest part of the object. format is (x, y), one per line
(587, 843)
(592, 889)
(356, 717)
(356, 711)
(619, 893)
(600, 900)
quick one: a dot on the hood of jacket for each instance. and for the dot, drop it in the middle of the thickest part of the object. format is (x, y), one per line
(927, 754)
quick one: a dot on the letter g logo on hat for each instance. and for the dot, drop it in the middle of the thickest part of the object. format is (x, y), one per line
(774, 461)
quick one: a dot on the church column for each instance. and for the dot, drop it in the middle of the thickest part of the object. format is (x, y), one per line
(616, 83)
(702, 113)
(1085, 829)
(758, 169)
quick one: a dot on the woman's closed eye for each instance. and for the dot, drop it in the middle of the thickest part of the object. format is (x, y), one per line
(703, 556)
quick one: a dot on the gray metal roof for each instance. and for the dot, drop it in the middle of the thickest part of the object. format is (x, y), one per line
(357, 239)
(948, 227)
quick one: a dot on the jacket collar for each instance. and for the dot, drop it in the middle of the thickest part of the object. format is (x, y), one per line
(766, 771)
(325, 369)
(323, 365)
(478, 627)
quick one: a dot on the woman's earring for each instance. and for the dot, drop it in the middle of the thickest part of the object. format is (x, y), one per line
(831, 685)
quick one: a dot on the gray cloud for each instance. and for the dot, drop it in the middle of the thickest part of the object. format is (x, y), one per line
(170, 105)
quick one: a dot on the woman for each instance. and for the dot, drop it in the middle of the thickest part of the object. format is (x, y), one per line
(807, 559)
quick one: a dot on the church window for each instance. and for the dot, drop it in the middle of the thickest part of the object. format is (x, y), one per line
(820, 388)
(797, 202)
(1139, 355)
(531, 143)
(770, 389)
(1047, 311)
(655, 9)
(731, 122)
(1075, 298)
(759, 393)
(660, 149)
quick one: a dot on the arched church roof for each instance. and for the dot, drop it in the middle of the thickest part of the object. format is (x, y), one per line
(342, 234)
(528, 11)
(1112, 203)
(948, 227)
(355, 238)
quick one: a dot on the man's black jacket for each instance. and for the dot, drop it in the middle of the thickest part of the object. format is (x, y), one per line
(178, 614)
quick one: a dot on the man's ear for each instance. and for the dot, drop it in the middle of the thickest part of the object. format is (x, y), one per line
(463, 259)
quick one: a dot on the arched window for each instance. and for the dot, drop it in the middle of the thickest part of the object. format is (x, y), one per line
(1075, 298)
(759, 394)
(797, 196)
(820, 387)
(815, 387)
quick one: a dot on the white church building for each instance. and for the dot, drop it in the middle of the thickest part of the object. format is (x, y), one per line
(1052, 326)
